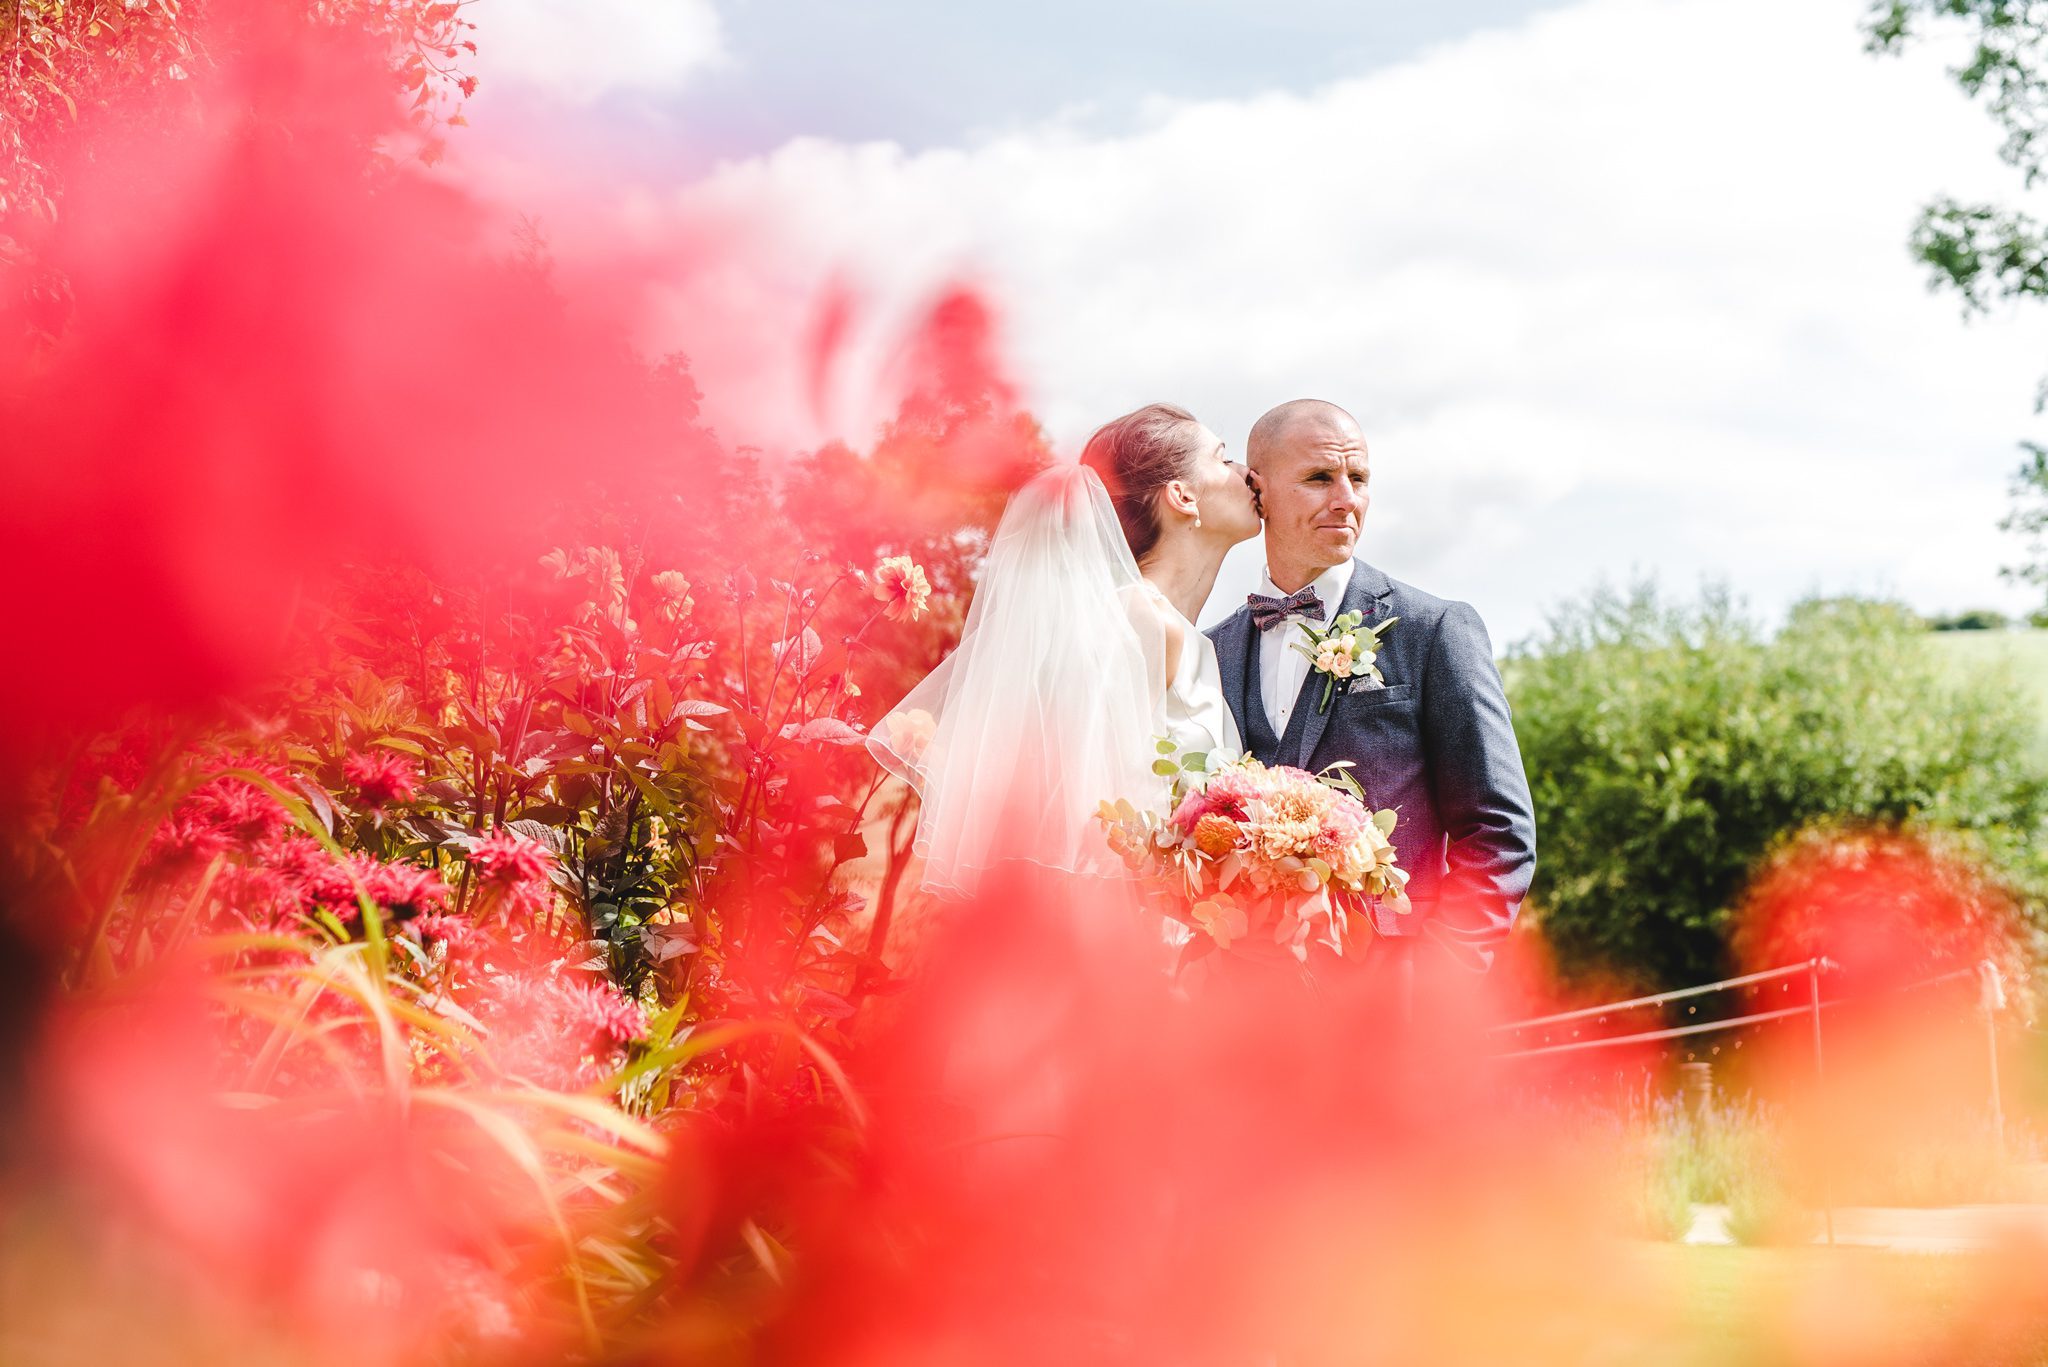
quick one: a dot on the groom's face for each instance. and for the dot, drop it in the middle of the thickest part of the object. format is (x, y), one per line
(1313, 490)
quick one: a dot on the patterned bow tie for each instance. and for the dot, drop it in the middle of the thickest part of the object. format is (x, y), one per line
(1267, 612)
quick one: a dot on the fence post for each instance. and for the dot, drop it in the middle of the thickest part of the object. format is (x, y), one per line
(1696, 1084)
(1991, 1000)
(1820, 1077)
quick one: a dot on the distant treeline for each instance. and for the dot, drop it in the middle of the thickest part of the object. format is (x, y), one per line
(1984, 619)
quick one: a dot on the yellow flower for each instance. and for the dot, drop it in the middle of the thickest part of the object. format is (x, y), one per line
(900, 586)
(675, 594)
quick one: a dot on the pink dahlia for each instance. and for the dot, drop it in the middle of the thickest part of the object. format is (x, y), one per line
(1343, 823)
(899, 584)
(1229, 793)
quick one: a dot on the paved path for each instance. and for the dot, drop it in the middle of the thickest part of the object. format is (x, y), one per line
(1945, 1229)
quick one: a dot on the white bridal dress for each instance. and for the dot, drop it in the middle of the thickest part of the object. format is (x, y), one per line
(1056, 697)
(1053, 702)
(1197, 719)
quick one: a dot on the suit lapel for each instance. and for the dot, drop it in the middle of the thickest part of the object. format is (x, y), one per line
(1236, 660)
(1367, 594)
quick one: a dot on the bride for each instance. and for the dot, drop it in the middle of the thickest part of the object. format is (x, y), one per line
(1079, 654)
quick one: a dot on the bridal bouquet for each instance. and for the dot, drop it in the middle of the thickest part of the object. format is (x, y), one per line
(1259, 855)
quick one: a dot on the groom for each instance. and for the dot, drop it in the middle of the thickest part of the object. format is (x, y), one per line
(1434, 742)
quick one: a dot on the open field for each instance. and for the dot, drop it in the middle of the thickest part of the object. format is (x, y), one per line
(1731, 1307)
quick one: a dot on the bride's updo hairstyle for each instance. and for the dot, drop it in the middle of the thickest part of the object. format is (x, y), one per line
(1137, 455)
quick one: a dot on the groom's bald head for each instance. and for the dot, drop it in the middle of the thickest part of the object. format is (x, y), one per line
(1296, 423)
(1312, 471)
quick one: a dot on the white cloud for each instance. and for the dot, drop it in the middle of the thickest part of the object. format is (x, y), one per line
(1622, 290)
(581, 52)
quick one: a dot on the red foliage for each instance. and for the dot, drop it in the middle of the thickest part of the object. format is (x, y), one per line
(1887, 906)
(561, 1032)
(301, 359)
(336, 1217)
(1067, 1162)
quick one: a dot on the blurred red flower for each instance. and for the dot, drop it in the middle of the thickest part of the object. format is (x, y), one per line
(380, 778)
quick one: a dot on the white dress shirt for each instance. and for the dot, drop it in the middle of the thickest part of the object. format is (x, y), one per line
(1282, 668)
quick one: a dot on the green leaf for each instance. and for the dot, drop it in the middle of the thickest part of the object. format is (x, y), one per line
(823, 731)
(801, 652)
(1165, 768)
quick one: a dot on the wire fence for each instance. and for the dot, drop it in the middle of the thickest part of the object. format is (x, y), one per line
(1990, 1000)
(1813, 970)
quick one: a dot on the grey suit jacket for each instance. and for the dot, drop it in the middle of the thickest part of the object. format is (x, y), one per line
(1436, 744)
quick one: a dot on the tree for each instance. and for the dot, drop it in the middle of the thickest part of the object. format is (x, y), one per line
(2029, 519)
(1669, 747)
(1985, 252)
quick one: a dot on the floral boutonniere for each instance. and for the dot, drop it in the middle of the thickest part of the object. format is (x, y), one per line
(1343, 653)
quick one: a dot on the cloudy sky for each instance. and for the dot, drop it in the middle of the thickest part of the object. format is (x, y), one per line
(1616, 287)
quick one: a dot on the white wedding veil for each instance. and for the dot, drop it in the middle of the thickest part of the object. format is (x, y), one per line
(1049, 706)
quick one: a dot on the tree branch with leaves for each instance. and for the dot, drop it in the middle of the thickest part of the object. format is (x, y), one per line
(1988, 253)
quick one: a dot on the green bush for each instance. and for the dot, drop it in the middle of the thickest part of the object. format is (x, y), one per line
(1669, 745)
